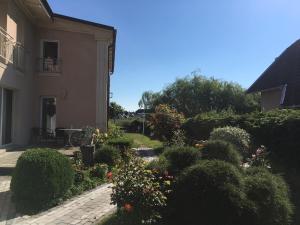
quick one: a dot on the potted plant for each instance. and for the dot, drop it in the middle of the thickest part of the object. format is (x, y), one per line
(87, 147)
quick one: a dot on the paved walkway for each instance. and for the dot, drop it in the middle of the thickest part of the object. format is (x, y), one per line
(87, 208)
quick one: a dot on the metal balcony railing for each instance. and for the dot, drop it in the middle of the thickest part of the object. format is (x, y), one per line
(49, 65)
(6, 46)
(10, 51)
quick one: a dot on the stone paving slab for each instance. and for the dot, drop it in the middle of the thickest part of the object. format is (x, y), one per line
(87, 208)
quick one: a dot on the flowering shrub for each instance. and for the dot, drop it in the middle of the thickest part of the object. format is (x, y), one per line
(137, 192)
(178, 139)
(234, 135)
(165, 121)
(260, 158)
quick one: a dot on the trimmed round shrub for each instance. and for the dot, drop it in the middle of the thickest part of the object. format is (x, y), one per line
(159, 165)
(108, 155)
(180, 158)
(234, 135)
(208, 193)
(40, 179)
(221, 150)
(270, 195)
(121, 143)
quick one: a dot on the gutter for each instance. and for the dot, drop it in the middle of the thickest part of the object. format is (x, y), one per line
(47, 8)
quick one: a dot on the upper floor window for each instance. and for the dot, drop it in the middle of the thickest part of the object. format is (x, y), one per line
(49, 61)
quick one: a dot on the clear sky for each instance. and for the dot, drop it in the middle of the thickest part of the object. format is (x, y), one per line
(161, 40)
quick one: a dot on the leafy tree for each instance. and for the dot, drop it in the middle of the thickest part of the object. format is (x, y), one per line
(115, 110)
(199, 94)
(148, 100)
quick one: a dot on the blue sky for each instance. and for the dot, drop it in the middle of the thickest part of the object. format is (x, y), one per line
(161, 40)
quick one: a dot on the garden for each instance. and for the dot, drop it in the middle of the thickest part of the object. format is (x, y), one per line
(222, 161)
(44, 177)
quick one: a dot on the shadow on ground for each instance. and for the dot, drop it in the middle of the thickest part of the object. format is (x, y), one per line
(6, 171)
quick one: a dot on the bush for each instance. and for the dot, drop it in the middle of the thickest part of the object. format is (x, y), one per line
(108, 155)
(180, 158)
(121, 143)
(221, 150)
(159, 165)
(271, 197)
(40, 178)
(165, 121)
(200, 126)
(234, 135)
(99, 171)
(208, 193)
(278, 130)
(114, 131)
(136, 191)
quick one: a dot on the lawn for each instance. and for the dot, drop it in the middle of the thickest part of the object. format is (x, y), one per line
(140, 140)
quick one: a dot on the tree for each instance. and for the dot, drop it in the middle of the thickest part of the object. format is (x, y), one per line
(115, 110)
(148, 100)
(198, 94)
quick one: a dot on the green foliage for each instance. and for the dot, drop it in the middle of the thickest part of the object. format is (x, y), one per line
(278, 130)
(199, 94)
(99, 171)
(160, 165)
(114, 131)
(180, 158)
(148, 100)
(121, 143)
(178, 139)
(136, 191)
(140, 140)
(40, 179)
(200, 126)
(108, 155)
(234, 135)
(115, 110)
(271, 197)
(221, 150)
(208, 193)
(165, 121)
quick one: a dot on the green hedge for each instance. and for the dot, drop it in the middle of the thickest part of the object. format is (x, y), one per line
(40, 179)
(278, 130)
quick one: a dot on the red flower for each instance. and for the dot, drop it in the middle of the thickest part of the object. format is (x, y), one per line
(109, 175)
(128, 208)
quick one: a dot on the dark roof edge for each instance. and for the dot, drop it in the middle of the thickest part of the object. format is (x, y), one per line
(252, 88)
(106, 27)
(114, 50)
(47, 7)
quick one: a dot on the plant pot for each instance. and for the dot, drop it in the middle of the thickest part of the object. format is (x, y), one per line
(87, 152)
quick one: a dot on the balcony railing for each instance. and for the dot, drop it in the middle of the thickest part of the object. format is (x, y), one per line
(19, 56)
(49, 65)
(6, 46)
(10, 51)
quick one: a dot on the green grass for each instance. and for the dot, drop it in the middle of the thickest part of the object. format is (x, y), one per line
(140, 140)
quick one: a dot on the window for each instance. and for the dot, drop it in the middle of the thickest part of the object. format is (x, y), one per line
(50, 61)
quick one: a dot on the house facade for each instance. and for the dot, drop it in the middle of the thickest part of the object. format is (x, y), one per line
(280, 83)
(54, 70)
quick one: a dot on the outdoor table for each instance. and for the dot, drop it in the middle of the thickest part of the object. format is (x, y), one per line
(69, 132)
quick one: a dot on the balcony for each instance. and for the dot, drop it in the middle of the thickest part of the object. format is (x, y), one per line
(6, 47)
(49, 65)
(10, 51)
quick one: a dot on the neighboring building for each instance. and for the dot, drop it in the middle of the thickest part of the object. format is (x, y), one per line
(54, 70)
(280, 83)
